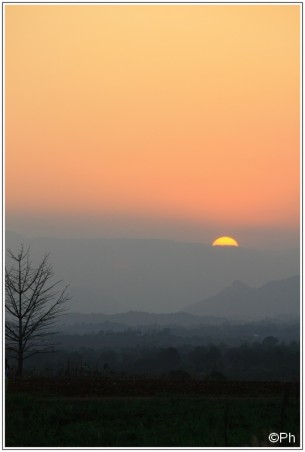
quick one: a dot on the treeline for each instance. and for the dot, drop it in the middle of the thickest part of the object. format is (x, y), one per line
(177, 336)
(111, 334)
(268, 360)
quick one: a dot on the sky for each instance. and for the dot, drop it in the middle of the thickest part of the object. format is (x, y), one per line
(156, 121)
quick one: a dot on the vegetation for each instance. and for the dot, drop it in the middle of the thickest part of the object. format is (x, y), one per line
(264, 361)
(222, 385)
(163, 421)
(32, 305)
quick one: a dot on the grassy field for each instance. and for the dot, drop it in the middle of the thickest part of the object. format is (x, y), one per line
(173, 420)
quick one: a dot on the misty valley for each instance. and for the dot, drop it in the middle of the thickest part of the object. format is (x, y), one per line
(116, 385)
(266, 350)
(221, 369)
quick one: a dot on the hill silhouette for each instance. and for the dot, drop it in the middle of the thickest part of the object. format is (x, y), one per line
(240, 302)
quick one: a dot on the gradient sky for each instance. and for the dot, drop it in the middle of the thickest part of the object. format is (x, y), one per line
(178, 121)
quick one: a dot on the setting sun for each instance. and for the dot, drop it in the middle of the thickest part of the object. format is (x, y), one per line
(225, 241)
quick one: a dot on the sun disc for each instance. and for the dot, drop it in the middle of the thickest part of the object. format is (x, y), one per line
(225, 241)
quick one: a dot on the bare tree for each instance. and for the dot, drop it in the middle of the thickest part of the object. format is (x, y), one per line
(33, 303)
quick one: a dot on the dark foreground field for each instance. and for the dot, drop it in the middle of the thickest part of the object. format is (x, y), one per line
(149, 413)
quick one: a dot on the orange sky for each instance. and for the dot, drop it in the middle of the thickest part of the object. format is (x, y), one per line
(180, 112)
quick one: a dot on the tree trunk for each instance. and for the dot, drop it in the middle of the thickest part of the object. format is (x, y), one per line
(19, 365)
(20, 349)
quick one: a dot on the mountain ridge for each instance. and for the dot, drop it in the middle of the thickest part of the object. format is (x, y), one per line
(274, 298)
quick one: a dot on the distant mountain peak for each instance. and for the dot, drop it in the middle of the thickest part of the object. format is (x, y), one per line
(238, 283)
(237, 286)
(239, 301)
